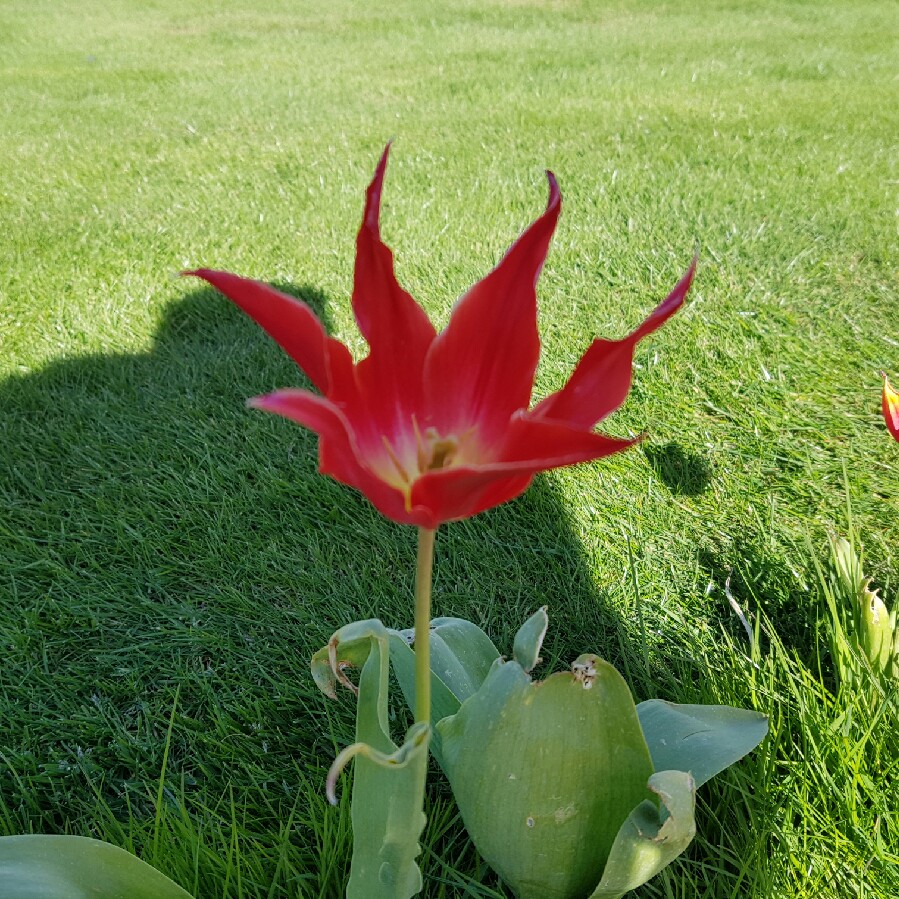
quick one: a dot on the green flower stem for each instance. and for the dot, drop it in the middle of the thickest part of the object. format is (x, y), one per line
(423, 625)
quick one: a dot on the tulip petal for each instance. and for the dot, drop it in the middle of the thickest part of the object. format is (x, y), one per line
(396, 328)
(289, 321)
(890, 405)
(338, 454)
(457, 493)
(555, 443)
(531, 447)
(602, 379)
(481, 368)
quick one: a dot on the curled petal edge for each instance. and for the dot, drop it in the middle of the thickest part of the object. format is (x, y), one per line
(339, 454)
(466, 377)
(456, 493)
(289, 321)
(397, 329)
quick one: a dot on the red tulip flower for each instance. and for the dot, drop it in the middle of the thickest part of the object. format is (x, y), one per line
(437, 427)
(890, 405)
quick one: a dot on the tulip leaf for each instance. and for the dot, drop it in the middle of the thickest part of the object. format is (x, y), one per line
(348, 648)
(529, 639)
(540, 776)
(36, 867)
(652, 836)
(388, 781)
(701, 739)
(461, 656)
(443, 702)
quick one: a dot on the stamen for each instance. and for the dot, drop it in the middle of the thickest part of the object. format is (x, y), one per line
(404, 475)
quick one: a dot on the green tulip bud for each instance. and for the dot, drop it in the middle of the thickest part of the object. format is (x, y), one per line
(873, 632)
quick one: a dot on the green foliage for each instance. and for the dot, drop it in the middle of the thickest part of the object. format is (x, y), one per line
(551, 777)
(153, 534)
(545, 774)
(700, 739)
(38, 867)
(388, 780)
(461, 657)
(864, 636)
(654, 834)
(529, 640)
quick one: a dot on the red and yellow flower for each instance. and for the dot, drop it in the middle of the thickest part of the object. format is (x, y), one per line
(890, 406)
(438, 427)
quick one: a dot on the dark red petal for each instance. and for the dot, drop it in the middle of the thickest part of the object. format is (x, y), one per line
(481, 368)
(530, 447)
(602, 379)
(291, 322)
(338, 455)
(396, 328)
(457, 493)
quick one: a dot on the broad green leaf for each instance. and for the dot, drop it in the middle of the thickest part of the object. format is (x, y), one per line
(388, 781)
(701, 739)
(545, 773)
(652, 836)
(443, 702)
(461, 656)
(68, 867)
(388, 795)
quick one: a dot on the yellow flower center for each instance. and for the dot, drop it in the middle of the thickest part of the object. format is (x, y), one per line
(432, 451)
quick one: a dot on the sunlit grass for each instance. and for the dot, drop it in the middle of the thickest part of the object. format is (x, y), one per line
(158, 539)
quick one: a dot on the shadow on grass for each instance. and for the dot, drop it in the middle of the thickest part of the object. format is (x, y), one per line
(683, 472)
(158, 537)
(756, 579)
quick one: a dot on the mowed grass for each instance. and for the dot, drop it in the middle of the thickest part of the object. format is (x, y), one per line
(170, 561)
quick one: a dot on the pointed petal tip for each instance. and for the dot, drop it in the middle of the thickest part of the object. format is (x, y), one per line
(555, 194)
(686, 282)
(265, 401)
(373, 194)
(269, 402)
(382, 161)
(207, 274)
(671, 304)
(691, 271)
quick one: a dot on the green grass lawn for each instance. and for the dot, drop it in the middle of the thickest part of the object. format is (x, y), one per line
(169, 561)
